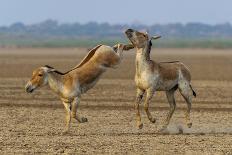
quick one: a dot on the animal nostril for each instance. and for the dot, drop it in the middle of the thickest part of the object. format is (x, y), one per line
(27, 89)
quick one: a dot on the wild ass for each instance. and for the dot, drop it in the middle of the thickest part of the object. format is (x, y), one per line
(153, 76)
(70, 85)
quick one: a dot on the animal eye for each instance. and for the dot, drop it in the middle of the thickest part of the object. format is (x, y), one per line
(40, 75)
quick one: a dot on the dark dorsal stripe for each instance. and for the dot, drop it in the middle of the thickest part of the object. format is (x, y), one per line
(148, 50)
(169, 62)
(87, 57)
(85, 60)
(49, 66)
(56, 71)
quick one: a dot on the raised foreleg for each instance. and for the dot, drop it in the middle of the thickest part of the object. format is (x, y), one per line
(149, 96)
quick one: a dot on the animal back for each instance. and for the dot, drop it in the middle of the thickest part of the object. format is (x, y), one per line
(168, 71)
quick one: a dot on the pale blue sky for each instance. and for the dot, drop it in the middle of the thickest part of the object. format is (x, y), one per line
(120, 11)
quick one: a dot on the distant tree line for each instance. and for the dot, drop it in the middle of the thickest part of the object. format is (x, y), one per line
(51, 33)
(52, 29)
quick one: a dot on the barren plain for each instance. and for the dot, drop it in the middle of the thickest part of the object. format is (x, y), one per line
(33, 123)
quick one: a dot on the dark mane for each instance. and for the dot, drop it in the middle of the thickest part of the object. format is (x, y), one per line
(148, 50)
(149, 46)
(169, 61)
(49, 66)
(56, 71)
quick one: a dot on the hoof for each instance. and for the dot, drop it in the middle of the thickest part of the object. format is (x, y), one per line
(83, 120)
(189, 125)
(140, 125)
(153, 120)
(163, 130)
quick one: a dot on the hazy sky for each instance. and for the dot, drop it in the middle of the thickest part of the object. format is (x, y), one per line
(119, 11)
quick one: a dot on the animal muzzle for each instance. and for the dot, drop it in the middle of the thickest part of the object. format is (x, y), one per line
(29, 88)
(129, 32)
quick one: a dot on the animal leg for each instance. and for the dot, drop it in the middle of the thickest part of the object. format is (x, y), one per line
(139, 97)
(149, 96)
(67, 106)
(186, 92)
(74, 108)
(172, 103)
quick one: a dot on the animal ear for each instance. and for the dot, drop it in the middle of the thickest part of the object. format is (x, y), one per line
(48, 69)
(155, 37)
(51, 70)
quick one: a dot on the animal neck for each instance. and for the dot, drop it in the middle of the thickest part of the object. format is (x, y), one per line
(143, 55)
(55, 82)
(143, 61)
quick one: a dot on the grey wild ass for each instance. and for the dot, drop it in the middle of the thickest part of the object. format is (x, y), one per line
(154, 76)
(70, 85)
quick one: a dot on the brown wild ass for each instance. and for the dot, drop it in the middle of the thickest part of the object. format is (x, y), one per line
(153, 76)
(70, 85)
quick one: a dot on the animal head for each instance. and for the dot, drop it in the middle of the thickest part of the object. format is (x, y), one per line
(140, 39)
(38, 79)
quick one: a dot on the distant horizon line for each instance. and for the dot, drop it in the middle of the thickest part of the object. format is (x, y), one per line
(137, 23)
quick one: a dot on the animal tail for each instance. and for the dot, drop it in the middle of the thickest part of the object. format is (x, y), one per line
(194, 93)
